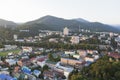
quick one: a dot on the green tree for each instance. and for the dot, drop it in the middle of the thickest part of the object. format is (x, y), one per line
(45, 67)
(50, 56)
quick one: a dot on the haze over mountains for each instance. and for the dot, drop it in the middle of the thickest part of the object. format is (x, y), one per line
(81, 20)
(7, 23)
(54, 23)
(117, 26)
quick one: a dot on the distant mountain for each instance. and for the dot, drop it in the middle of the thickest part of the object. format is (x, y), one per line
(50, 23)
(5, 23)
(55, 23)
(81, 20)
(116, 26)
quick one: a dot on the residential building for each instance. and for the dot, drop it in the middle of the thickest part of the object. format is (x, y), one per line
(66, 31)
(69, 52)
(70, 61)
(75, 39)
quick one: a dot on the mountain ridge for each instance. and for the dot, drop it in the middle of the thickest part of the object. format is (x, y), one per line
(60, 23)
(55, 23)
(6, 23)
(81, 20)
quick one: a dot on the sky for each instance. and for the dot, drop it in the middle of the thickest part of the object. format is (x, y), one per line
(105, 11)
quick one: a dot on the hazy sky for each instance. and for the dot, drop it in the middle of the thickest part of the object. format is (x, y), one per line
(106, 11)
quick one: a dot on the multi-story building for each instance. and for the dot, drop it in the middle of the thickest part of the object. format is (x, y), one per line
(75, 39)
(70, 61)
(66, 31)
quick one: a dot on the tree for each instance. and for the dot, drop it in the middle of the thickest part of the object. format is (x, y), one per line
(1, 45)
(45, 67)
(102, 69)
(50, 56)
(113, 43)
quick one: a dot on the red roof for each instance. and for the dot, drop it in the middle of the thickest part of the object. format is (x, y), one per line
(114, 55)
(32, 59)
(41, 59)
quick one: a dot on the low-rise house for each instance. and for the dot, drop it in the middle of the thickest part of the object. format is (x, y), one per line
(50, 64)
(69, 52)
(82, 53)
(20, 63)
(6, 77)
(48, 75)
(114, 55)
(4, 72)
(77, 56)
(117, 39)
(70, 61)
(11, 61)
(41, 62)
(36, 72)
(63, 69)
(75, 39)
(96, 57)
(53, 40)
(20, 40)
(1, 49)
(27, 49)
(33, 60)
(92, 51)
(10, 47)
(16, 69)
(91, 59)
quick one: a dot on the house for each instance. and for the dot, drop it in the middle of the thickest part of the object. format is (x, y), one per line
(36, 72)
(70, 61)
(33, 60)
(69, 52)
(92, 51)
(82, 53)
(117, 39)
(20, 63)
(6, 77)
(27, 49)
(75, 39)
(20, 40)
(114, 55)
(11, 61)
(10, 47)
(63, 69)
(53, 40)
(41, 62)
(77, 56)
(16, 69)
(26, 70)
(48, 75)
(50, 64)
(88, 63)
(4, 72)
(91, 59)
(66, 31)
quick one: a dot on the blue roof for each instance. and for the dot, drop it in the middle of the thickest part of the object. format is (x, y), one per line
(26, 70)
(36, 71)
(89, 62)
(6, 77)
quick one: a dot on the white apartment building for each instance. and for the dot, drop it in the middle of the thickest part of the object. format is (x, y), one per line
(66, 31)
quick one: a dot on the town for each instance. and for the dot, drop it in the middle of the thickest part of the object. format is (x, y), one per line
(54, 55)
